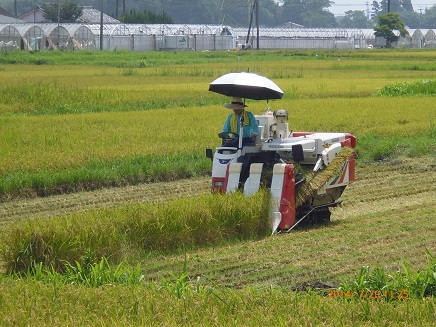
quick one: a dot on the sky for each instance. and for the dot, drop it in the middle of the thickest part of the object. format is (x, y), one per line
(341, 6)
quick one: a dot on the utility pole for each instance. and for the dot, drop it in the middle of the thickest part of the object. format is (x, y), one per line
(101, 25)
(59, 21)
(257, 24)
(256, 13)
(59, 12)
(420, 17)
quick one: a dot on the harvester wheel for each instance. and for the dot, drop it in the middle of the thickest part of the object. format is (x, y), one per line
(323, 216)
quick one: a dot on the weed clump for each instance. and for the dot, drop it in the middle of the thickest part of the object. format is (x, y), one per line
(426, 87)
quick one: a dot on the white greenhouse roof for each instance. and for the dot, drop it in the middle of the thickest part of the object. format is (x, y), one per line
(119, 30)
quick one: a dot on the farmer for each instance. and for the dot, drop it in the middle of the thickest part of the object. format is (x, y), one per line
(232, 124)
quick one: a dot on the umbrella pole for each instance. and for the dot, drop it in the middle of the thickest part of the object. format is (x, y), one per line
(241, 134)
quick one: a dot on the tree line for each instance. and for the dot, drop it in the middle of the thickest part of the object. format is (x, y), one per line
(238, 13)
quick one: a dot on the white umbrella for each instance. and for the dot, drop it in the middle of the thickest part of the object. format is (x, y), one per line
(246, 85)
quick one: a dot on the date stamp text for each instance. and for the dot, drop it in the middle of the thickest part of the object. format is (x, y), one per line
(369, 294)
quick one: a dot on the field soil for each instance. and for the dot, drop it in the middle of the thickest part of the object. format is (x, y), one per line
(388, 215)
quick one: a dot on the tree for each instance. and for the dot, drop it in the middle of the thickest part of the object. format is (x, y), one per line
(429, 17)
(407, 5)
(145, 17)
(397, 6)
(411, 19)
(69, 12)
(387, 24)
(375, 9)
(310, 13)
(354, 19)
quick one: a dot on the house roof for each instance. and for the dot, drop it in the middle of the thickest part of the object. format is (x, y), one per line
(9, 20)
(90, 15)
(36, 9)
(4, 12)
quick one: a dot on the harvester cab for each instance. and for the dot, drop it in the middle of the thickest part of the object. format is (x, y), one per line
(306, 172)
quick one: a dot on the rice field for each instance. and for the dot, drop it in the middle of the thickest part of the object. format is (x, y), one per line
(99, 156)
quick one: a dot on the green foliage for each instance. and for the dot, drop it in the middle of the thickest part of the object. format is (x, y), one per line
(309, 13)
(386, 24)
(97, 274)
(425, 87)
(86, 272)
(69, 12)
(382, 148)
(354, 19)
(377, 284)
(421, 283)
(145, 17)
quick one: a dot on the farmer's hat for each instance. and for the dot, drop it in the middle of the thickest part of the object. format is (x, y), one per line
(235, 104)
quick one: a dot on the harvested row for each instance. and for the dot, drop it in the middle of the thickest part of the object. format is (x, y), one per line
(72, 203)
(372, 228)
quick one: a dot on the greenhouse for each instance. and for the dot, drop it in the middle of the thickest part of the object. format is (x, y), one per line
(10, 38)
(195, 37)
(155, 37)
(32, 36)
(430, 39)
(81, 36)
(302, 38)
(57, 37)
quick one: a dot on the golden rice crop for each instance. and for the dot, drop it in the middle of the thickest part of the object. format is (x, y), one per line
(50, 142)
(121, 231)
(314, 182)
(168, 109)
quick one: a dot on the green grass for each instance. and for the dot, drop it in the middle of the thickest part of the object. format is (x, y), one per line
(426, 87)
(378, 284)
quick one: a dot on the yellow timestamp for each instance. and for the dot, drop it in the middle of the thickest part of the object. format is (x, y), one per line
(369, 294)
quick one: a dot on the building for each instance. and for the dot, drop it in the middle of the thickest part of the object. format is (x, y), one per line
(36, 15)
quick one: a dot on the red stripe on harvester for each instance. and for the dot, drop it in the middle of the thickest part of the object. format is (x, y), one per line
(351, 168)
(341, 180)
(287, 203)
(352, 139)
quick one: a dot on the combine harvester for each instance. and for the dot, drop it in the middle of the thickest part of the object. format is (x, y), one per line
(306, 172)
